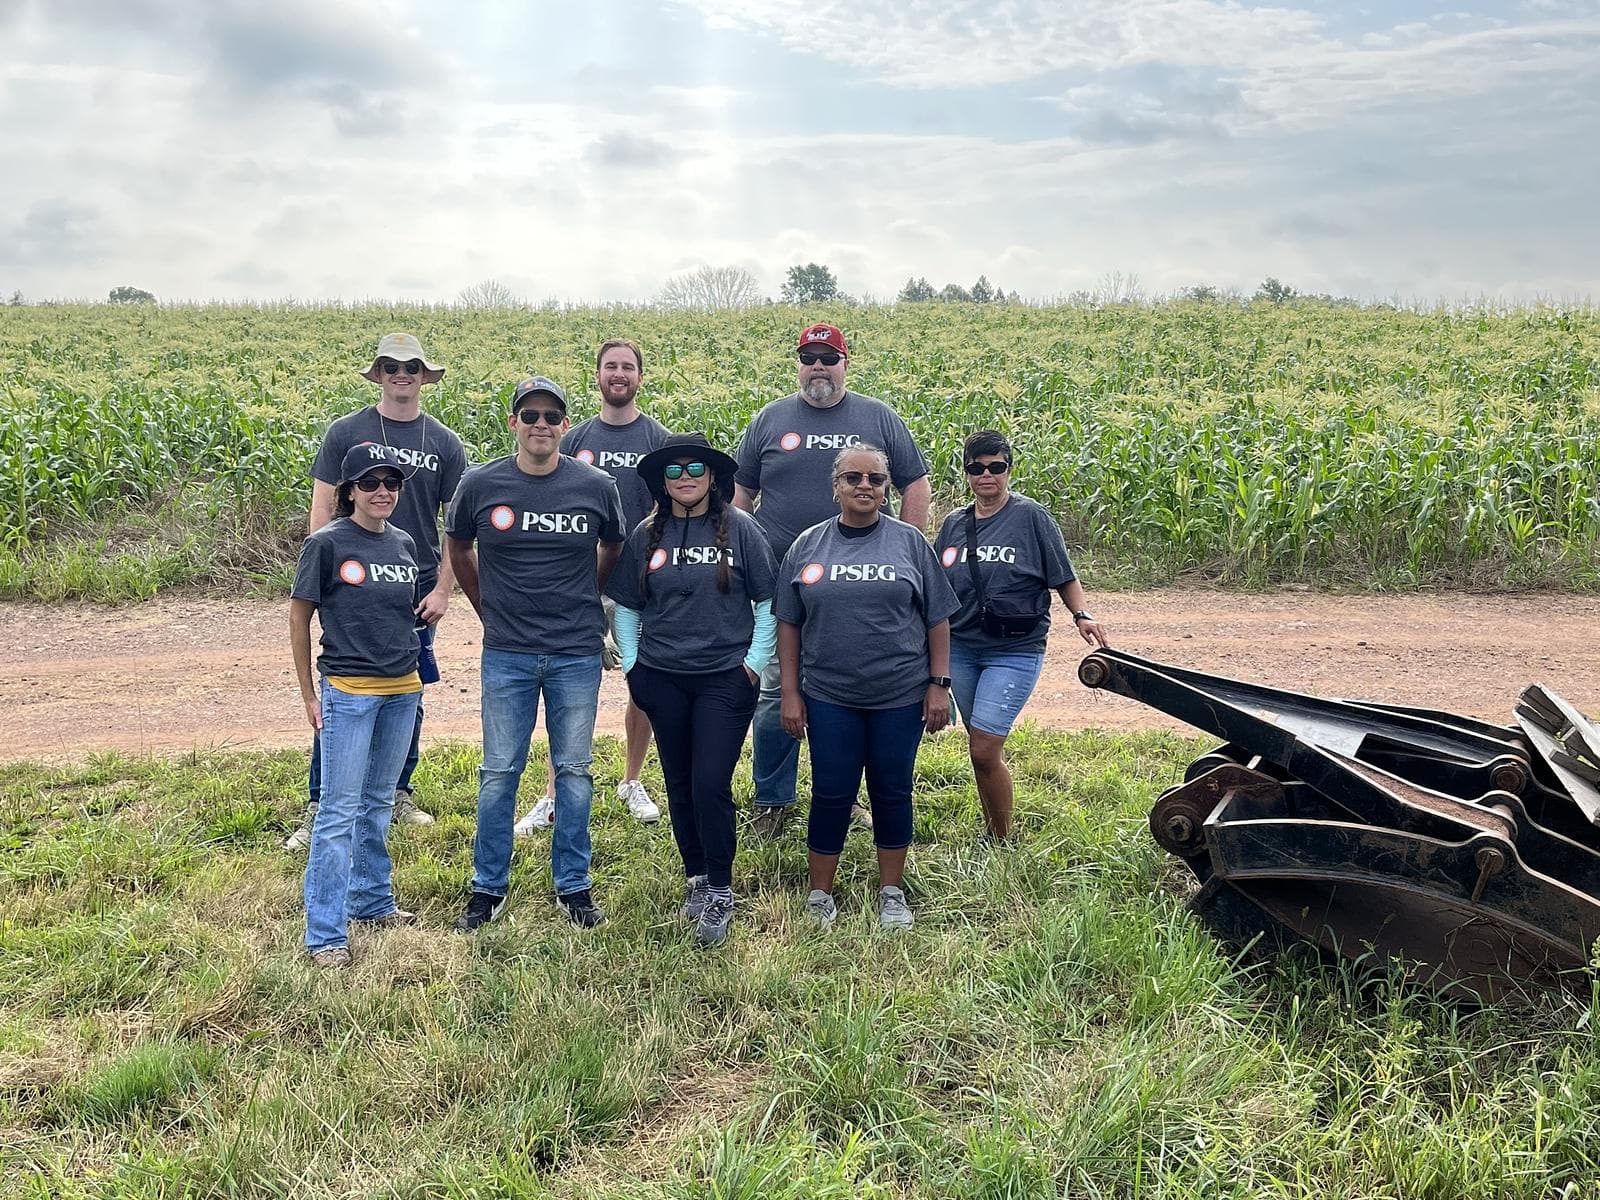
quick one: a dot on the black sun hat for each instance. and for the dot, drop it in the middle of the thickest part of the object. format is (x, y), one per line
(687, 445)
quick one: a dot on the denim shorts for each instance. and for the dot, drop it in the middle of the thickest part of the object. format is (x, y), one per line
(990, 687)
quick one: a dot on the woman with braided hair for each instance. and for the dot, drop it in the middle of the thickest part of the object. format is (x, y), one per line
(695, 628)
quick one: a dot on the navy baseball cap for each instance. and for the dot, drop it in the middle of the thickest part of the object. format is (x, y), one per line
(538, 383)
(365, 457)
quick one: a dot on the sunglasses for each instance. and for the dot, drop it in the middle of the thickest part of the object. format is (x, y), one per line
(371, 483)
(410, 367)
(854, 478)
(693, 470)
(988, 468)
(530, 416)
(829, 358)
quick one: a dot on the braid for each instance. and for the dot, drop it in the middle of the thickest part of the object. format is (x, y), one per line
(658, 525)
(721, 509)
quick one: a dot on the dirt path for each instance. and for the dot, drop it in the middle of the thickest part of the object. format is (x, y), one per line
(177, 674)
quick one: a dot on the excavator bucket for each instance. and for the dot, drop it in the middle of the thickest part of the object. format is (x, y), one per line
(1467, 852)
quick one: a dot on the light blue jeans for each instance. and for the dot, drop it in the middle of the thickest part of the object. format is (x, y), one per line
(364, 744)
(512, 683)
(775, 756)
(991, 686)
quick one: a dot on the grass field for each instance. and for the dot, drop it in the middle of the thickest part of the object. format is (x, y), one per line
(143, 448)
(1056, 1025)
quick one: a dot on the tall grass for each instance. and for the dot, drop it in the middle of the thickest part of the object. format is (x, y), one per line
(1055, 1025)
(1336, 446)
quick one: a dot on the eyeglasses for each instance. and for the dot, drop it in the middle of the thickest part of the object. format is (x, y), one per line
(410, 366)
(829, 358)
(531, 416)
(853, 478)
(693, 470)
(371, 483)
(989, 468)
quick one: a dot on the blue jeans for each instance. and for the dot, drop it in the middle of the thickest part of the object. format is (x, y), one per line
(991, 686)
(425, 636)
(511, 686)
(347, 868)
(845, 742)
(775, 756)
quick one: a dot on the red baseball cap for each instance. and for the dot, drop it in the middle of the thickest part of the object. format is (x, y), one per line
(823, 335)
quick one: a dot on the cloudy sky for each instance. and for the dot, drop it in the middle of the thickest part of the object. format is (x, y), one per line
(589, 149)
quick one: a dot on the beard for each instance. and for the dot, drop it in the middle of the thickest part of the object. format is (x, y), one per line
(617, 400)
(821, 390)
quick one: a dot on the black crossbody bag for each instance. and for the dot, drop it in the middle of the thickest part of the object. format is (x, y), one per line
(998, 618)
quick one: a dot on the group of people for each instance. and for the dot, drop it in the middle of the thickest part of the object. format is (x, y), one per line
(771, 587)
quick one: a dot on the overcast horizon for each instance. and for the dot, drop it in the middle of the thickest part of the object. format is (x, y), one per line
(350, 149)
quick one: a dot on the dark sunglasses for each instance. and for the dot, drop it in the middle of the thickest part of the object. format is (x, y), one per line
(410, 367)
(530, 416)
(371, 483)
(828, 358)
(988, 468)
(854, 478)
(693, 470)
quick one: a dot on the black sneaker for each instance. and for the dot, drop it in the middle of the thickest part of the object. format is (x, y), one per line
(481, 909)
(581, 909)
(712, 929)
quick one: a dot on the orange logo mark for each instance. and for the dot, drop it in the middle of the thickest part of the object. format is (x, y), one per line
(352, 572)
(812, 573)
(501, 517)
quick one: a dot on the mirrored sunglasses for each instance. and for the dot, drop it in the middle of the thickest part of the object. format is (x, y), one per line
(828, 358)
(371, 483)
(854, 478)
(990, 468)
(412, 366)
(693, 470)
(532, 416)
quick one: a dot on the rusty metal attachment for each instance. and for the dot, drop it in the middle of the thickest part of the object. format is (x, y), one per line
(1467, 852)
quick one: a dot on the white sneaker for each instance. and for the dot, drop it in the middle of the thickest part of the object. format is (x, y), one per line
(541, 816)
(821, 908)
(632, 793)
(893, 911)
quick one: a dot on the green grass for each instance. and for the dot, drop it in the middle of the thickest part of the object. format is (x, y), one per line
(1055, 1025)
(145, 448)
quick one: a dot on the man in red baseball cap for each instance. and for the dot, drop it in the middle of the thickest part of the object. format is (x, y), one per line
(786, 460)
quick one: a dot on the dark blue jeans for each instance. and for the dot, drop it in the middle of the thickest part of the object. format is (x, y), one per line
(847, 742)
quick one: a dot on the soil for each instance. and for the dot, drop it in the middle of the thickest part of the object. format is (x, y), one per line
(183, 673)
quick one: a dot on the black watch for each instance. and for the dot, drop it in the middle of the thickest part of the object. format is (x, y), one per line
(1081, 615)
(939, 681)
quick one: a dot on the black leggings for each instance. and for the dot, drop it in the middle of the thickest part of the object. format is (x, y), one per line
(700, 723)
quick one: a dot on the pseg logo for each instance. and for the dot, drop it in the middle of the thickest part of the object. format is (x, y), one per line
(585, 456)
(501, 517)
(352, 572)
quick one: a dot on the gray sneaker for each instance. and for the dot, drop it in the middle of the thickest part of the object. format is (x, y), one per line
(860, 816)
(300, 839)
(821, 906)
(893, 911)
(712, 929)
(406, 811)
(695, 894)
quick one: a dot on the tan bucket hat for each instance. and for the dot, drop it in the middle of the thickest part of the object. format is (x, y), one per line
(402, 347)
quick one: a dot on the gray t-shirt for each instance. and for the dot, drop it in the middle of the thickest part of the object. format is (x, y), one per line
(688, 626)
(536, 537)
(787, 455)
(1021, 557)
(864, 606)
(428, 450)
(616, 450)
(364, 585)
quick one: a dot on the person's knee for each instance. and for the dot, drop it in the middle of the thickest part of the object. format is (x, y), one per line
(987, 750)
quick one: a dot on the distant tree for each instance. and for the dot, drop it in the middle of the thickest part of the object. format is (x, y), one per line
(130, 295)
(954, 293)
(488, 293)
(917, 291)
(1274, 291)
(983, 291)
(16, 299)
(810, 284)
(1203, 293)
(1119, 287)
(710, 288)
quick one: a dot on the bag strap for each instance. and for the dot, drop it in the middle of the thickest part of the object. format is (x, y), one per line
(972, 553)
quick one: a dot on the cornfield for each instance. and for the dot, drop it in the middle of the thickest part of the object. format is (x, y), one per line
(142, 448)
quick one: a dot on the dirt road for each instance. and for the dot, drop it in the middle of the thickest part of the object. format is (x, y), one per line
(181, 673)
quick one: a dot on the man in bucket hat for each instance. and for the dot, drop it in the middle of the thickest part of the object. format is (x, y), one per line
(786, 459)
(435, 459)
(533, 537)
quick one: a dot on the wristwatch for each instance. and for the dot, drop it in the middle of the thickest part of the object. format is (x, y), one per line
(939, 681)
(1081, 615)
